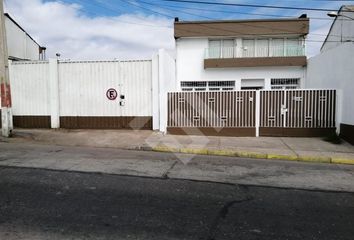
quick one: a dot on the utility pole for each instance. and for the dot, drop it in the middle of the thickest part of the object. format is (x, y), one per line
(5, 92)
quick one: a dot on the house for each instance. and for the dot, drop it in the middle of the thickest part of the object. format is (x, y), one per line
(190, 94)
(241, 54)
(21, 46)
(333, 68)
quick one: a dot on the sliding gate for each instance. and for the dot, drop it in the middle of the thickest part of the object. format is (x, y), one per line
(251, 113)
(228, 113)
(297, 112)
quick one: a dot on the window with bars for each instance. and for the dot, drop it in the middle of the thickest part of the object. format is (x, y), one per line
(208, 86)
(285, 83)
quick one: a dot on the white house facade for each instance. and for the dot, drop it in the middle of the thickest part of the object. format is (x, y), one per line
(241, 55)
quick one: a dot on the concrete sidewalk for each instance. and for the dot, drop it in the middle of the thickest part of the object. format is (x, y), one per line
(231, 170)
(297, 149)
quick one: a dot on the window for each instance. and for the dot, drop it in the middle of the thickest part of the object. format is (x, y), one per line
(285, 83)
(262, 49)
(252, 84)
(248, 46)
(215, 48)
(293, 47)
(224, 48)
(193, 86)
(228, 48)
(208, 86)
(277, 47)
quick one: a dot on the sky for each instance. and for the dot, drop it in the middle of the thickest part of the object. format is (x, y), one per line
(136, 29)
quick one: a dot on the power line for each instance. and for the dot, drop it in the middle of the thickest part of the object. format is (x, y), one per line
(236, 12)
(118, 20)
(171, 8)
(156, 12)
(253, 5)
(138, 6)
(271, 28)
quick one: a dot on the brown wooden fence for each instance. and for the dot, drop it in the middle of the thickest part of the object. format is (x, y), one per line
(247, 113)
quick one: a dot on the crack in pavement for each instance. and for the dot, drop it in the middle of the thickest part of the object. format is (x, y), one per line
(281, 139)
(165, 174)
(213, 230)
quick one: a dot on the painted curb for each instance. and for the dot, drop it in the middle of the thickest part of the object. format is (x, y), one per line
(230, 153)
(342, 161)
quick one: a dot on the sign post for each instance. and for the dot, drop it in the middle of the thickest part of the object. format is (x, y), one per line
(5, 91)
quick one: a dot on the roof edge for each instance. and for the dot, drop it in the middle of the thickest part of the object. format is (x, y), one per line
(19, 26)
(243, 20)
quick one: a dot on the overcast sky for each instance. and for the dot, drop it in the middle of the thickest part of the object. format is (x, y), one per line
(135, 29)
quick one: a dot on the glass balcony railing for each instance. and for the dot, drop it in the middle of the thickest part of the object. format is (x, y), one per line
(246, 52)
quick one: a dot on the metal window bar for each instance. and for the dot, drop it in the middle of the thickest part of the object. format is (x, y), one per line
(285, 83)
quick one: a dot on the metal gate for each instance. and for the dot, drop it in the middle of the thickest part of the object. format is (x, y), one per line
(297, 112)
(252, 113)
(229, 113)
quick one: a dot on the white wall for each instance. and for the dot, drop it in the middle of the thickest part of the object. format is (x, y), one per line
(190, 67)
(82, 88)
(86, 83)
(334, 68)
(167, 83)
(30, 88)
(19, 44)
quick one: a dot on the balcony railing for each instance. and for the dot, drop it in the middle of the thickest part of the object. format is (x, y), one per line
(244, 52)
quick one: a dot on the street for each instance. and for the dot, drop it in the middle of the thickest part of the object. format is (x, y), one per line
(45, 204)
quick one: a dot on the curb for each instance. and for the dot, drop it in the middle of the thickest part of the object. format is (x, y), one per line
(231, 153)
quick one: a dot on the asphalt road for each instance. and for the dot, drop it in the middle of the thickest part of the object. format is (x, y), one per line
(42, 204)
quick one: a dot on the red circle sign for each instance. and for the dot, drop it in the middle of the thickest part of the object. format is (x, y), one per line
(111, 94)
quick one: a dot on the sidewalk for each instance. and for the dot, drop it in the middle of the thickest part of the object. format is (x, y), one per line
(284, 174)
(296, 149)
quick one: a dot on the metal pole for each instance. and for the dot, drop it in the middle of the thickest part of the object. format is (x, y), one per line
(6, 112)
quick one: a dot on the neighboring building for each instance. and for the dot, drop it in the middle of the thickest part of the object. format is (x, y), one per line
(333, 68)
(342, 29)
(21, 46)
(241, 54)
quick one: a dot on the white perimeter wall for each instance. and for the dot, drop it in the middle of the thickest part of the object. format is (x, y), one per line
(82, 88)
(334, 68)
(167, 83)
(30, 88)
(190, 67)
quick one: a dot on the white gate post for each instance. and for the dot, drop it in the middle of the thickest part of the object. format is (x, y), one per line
(284, 108)
(155, 93)
(258, 109)
(54, 93)
(339, 110)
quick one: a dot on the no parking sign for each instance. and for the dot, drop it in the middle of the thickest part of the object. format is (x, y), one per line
(111, 94)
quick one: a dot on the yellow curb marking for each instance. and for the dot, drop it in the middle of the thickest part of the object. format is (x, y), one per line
(230, 153)
(342, 161)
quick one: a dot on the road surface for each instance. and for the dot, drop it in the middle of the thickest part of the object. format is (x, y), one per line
(43, 204)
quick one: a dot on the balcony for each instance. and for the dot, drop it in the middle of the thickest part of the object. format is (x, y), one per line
(254, 57)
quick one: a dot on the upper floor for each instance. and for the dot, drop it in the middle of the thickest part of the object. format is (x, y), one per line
(247, 43)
